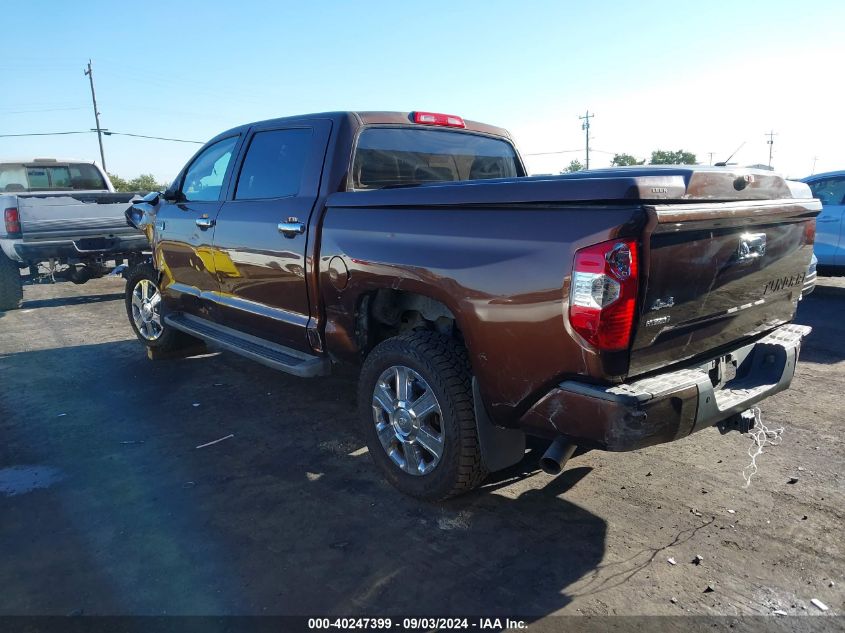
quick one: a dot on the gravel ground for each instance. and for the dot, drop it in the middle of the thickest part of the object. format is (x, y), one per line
(108, 507)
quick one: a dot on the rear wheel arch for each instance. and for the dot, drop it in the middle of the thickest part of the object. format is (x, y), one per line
(384, 313)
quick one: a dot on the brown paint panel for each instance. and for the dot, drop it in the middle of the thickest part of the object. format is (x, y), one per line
(502, 273)
(612, 425)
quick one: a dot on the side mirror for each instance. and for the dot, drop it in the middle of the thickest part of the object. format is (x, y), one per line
(171, 195)
(151, 198)
(142, 213)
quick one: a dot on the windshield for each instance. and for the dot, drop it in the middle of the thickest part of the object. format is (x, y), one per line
(54, 177)
(401, 156)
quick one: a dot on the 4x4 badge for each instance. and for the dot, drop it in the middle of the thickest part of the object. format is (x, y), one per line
(668, 302)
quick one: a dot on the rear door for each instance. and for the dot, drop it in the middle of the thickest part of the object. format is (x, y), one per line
(262, 230)
(185, 230)
(829, 229)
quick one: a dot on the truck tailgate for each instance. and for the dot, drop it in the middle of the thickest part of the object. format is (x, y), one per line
(73, 215)
(716, 273)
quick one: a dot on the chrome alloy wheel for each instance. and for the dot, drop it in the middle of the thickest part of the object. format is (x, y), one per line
(146, 300)
(408, 420)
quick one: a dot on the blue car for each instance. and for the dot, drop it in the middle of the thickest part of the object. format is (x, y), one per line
(830, 233)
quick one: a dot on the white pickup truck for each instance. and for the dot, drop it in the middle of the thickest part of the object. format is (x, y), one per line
(63, 217)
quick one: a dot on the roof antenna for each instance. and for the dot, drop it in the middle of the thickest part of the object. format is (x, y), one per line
(725, 163)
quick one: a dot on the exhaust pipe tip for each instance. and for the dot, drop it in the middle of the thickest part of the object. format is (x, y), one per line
(556, 456)
(550, 466)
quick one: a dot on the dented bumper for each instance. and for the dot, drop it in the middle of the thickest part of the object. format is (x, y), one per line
(668, 406)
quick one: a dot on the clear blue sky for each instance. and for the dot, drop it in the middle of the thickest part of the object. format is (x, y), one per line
(702, 76)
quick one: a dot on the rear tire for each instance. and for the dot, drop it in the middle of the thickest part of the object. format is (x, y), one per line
(437, 372)
(11, 286)
(143, 307)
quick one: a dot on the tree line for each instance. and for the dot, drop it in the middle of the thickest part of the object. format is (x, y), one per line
(143, 183)
(658, 157)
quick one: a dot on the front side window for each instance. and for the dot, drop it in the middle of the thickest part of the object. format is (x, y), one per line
(274, 164)
(829, 190)
(84, 176)
(403, 157)
(204, 178)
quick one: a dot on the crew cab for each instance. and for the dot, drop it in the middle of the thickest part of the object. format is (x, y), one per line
(611, 309)
(64, 215)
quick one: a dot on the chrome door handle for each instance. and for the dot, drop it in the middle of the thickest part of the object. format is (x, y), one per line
(205, 223)
(291, 227)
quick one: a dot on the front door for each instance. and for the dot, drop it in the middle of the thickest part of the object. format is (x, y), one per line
(829, 229)
(262, 230)
(185, 231)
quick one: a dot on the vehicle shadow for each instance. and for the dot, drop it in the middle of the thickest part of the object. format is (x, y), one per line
(825, 290)
(287, 515)
(58, 302)
(823, 311)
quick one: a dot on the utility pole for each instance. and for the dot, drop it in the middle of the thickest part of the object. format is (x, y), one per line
(711, 157)
(90, 73)
(815, 158)
(771, 143)
(586, 127)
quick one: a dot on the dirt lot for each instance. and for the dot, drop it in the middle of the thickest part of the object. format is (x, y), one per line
(108, 507)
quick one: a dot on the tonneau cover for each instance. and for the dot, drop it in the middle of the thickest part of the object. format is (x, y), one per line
(622, 184)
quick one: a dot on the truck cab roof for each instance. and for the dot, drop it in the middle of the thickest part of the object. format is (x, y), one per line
(361, 118)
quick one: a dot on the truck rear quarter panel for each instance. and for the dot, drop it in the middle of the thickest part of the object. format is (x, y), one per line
(502, 272)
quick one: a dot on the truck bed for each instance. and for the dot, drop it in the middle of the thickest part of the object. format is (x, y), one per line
(64, 215)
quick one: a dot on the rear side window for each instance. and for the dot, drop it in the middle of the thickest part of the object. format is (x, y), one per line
(13, 178)
(829, 190)
(274, 164)
(73, 176)
(397, 157)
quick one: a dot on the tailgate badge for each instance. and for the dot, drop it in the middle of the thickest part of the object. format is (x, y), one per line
(659, 304)
(751, 246)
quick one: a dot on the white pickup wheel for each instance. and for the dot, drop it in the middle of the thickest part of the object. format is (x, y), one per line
(11, 287)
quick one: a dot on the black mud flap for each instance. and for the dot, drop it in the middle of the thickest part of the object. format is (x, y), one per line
(500, 447)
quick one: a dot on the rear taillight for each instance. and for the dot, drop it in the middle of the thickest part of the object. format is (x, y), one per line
(434, 118)
(603, 295)
(12, 220)
(810, 231)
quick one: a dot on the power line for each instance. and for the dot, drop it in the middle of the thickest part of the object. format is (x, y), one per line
(107, 133)
(41, 110)
(45, 134)
(157, 138)
(562, 151)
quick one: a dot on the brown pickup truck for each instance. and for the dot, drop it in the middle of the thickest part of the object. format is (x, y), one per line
(610, 309)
